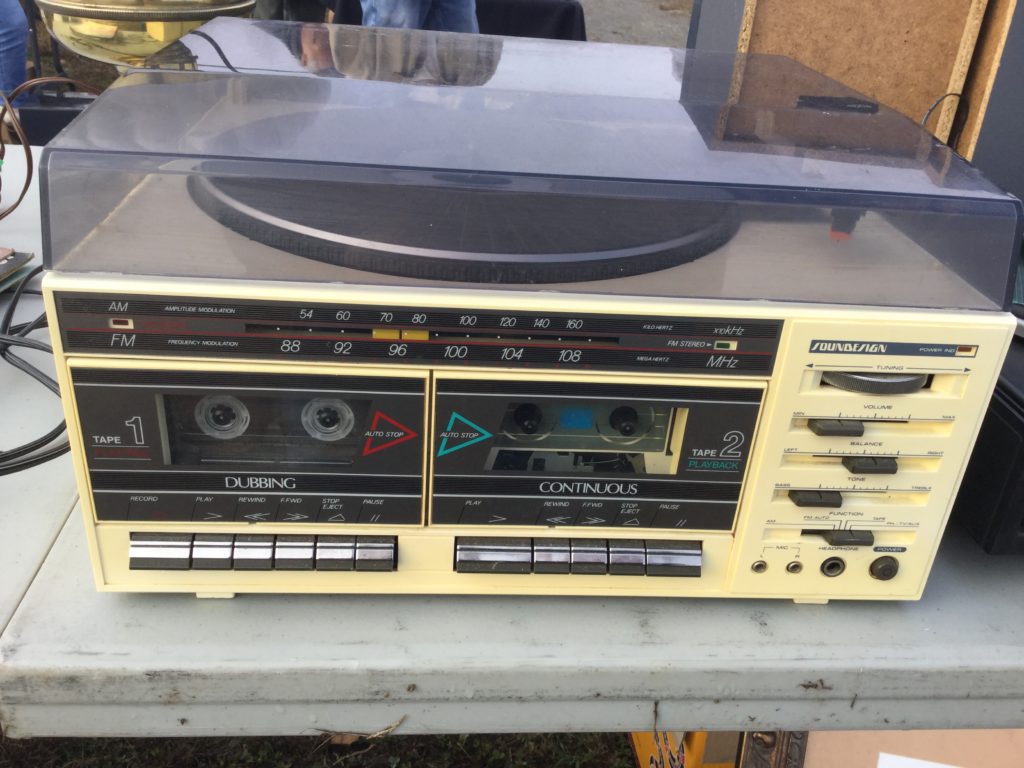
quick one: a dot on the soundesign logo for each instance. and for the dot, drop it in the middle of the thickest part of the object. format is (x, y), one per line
(252, 483)
(858, 347)
(601, 489)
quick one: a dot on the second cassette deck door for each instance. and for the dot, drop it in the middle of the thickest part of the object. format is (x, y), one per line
(552, 451)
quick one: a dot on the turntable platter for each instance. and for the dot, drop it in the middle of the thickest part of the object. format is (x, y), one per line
(480, 235)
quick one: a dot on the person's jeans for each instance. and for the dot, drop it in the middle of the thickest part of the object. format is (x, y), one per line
(13, 47)
(290, 10)
(446, 15)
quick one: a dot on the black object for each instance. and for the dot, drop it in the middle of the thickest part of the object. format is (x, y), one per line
(809, 498)
(870, 465)
(528, 416)
(998, 153)
(624, 420)
(884, 568)
(45, 119)
(551, 19)
(991, 500)
(467, 234)
(836, 427)
(837, 104)
(848, 538)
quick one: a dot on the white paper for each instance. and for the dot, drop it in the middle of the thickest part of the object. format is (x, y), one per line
(885, 760)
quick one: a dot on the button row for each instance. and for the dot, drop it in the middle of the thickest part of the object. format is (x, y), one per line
(259, 552)
(619, 557)
(589, 514)
(263, 508)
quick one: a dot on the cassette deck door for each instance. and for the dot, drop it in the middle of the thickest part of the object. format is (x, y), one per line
(585, 453)
(173, 442)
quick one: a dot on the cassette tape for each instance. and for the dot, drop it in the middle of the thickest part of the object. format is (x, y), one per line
(556, 452)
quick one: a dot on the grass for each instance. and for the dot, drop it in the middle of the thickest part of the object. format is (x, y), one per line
(605, 750)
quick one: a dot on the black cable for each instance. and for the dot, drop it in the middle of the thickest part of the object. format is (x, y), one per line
(35, 451)
(216, 47)
(5, 323)
(35, 460)
(23, 329)
(13, 340)
(942, 98)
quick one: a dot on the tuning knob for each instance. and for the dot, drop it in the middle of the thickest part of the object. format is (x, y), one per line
(624, 420)
(528, 417)
(876, 383)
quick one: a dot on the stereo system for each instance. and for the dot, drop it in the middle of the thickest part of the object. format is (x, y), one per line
(417, 467)
(600, 345)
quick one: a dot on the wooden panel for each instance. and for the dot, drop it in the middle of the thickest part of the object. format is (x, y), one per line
(984, 67)
(970, 749)
(905, 54)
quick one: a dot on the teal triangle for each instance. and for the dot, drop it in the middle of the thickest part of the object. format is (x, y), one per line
(445, 449)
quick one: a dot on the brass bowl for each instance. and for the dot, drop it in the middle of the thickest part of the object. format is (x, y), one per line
(126, 32)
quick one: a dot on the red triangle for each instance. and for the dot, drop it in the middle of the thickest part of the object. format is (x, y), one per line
(407, 434)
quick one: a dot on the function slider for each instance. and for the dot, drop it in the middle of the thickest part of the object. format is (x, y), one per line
(843, 538)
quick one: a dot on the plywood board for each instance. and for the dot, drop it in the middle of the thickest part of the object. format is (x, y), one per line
(984, 67)
(964, 749)
(905, 55)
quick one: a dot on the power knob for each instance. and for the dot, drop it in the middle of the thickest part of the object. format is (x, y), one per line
(884, 568)
(528, 417)
(876, 383)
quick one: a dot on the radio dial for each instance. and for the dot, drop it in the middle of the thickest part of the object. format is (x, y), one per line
(528, 417)
(624, 420)
(876, 383)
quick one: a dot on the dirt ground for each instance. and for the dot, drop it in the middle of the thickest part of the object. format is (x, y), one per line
(646, 22)
(519, 751)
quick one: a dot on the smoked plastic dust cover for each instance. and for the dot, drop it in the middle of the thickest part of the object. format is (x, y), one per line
(289, 152)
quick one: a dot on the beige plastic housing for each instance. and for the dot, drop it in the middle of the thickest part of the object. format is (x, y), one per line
(930, 431)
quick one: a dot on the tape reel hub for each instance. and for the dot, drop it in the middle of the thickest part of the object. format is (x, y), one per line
(328, 419)
(222, 417)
